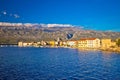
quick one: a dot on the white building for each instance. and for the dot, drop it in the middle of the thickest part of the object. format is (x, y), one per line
(89, 43)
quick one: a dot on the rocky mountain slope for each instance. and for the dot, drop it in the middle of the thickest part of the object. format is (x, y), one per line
(12, 34)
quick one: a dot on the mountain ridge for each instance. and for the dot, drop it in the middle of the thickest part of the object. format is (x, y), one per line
(14, 34)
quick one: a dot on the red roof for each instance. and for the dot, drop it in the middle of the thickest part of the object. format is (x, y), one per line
(88, 39)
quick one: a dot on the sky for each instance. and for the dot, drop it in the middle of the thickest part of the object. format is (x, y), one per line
(102, 15)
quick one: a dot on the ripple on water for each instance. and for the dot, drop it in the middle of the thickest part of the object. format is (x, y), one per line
(57, 64)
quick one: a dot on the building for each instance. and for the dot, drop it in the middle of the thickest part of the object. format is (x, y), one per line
(64, 43)
(52, 43)
(89, 43)
(93, 43)
(43, 43)
(113, 44)
(106, 43)
(82, 43)
(72, 43)
(25, 44)
(20, 44)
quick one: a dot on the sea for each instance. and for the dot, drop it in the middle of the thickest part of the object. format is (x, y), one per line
(34, 63)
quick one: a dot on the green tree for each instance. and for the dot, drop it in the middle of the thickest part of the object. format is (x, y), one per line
(118, 42)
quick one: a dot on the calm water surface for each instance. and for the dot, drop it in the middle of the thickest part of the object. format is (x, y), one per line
(57, 64)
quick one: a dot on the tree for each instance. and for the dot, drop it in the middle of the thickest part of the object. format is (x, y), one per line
(118, 42)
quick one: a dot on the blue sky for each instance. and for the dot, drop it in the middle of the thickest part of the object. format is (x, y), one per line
(92, 14)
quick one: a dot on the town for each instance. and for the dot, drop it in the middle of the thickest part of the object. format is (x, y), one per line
(85, 43)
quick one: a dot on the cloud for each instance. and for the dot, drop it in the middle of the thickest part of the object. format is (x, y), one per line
(16, 16)
(9, 14)
(36, 24)
(4, 12)
(59, 25)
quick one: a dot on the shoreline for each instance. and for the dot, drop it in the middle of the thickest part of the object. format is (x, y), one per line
(116, 49)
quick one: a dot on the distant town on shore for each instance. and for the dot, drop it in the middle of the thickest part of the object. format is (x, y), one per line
(86, 43)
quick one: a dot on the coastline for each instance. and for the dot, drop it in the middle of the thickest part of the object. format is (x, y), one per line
(115, 49)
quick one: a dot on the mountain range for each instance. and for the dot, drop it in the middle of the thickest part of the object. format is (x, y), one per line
(11, 33)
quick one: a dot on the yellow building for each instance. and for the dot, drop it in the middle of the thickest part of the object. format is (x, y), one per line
(113, 44)
(52, 43)
(106, 43)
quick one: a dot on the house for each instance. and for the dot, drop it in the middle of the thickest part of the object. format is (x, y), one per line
(106, 43)
(72, 43)
(113, 44)
(93, 43)
(89, 43)
(64, 43)
(20, 44)
(82, 43)
(52, 43)
(25, 44)
(43, 43)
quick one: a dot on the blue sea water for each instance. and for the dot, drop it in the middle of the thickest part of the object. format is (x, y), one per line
(29, 63)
